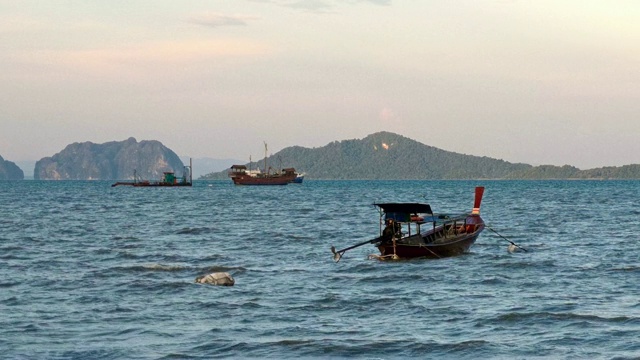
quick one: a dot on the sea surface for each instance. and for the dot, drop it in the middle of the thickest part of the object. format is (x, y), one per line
(88, 271)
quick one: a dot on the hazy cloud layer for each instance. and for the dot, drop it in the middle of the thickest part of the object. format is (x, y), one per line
(319, 6)
(218, 19)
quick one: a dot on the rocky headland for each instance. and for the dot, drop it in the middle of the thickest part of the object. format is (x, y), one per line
(116, 160)
(10, 171)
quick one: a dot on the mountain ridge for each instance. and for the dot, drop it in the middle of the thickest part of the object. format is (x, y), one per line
(388, 156)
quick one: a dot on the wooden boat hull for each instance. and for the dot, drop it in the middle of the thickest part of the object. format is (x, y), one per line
(241, 176)
(161, 184)
(266, 180)
(442, 241)
(456, 246)
(150, 184)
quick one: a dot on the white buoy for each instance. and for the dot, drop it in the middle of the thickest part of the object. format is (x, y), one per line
(512, 248)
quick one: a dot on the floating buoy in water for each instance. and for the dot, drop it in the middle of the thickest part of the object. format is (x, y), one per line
(512, 248)
(219, 278)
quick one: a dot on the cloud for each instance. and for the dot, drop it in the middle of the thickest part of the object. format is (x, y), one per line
(378, 2)
(310, 5)
(319, 6)
(316, 6)
(387, 115)
(214, 20)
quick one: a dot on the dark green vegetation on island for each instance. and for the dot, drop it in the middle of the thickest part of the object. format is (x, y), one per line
(388, 156)
(109, 161)
(10, 171)
(543, 172)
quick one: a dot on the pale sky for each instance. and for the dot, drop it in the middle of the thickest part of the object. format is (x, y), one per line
(540, 82)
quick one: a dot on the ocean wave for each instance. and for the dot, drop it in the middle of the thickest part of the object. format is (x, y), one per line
(545, 317)
(194, 231)
(153, 267)
(629, 268)
(219, 268)
(10, 248)
(332, 347)
(125, 238)
(127, 255)
(211, 257)
(11, 301)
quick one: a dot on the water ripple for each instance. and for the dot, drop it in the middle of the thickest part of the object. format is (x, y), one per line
(91, 271)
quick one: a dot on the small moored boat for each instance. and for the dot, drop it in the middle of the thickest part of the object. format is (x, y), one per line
(169, 179)
(412, 230)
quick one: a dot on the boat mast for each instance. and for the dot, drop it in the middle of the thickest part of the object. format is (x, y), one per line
(265, 158)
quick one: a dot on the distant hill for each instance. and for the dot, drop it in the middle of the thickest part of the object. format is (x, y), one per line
(547, 172)
(9, 170)
(202, 166)
(109, 161)
(388, 156)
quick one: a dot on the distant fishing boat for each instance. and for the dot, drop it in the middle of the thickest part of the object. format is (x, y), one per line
(168, 179)
(412, 230)
(240, 175)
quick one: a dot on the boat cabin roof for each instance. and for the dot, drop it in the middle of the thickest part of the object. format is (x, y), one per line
(239, 167)
(412, 208)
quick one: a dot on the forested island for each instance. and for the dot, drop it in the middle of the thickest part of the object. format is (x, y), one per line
(389, 156)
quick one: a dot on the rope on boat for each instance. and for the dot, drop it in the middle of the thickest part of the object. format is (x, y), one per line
(429, 250)
(512, 243)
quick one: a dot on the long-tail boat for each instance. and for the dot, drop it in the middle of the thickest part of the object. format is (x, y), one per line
(412, 230)
(169, 179)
